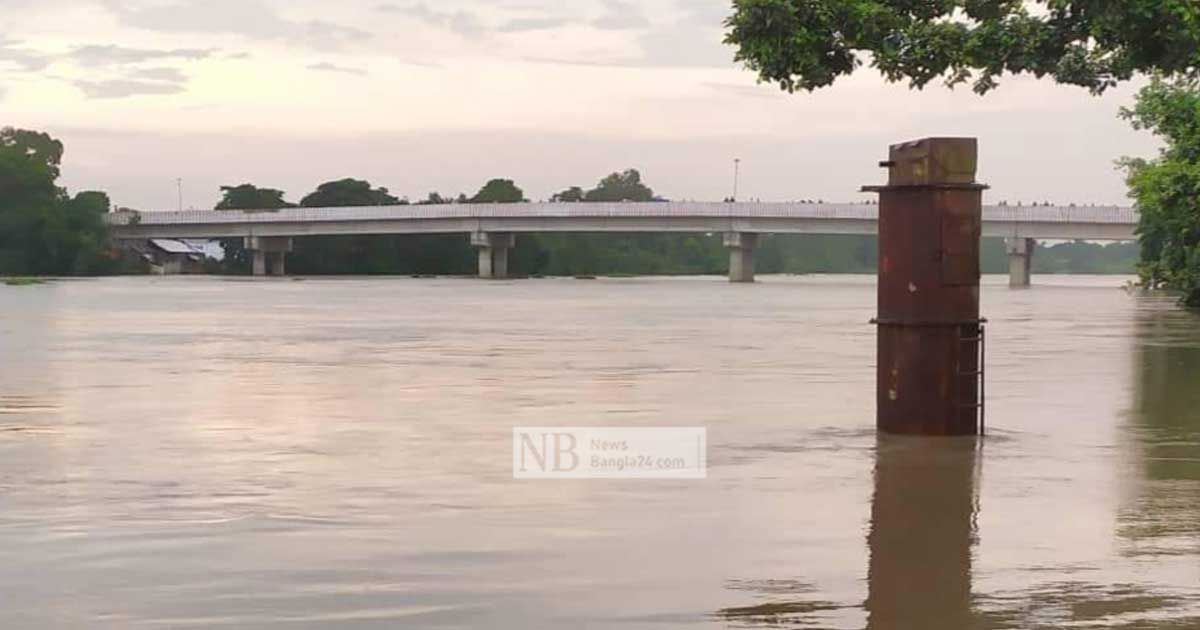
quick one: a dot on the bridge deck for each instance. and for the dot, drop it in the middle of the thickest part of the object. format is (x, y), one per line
(1089, 222)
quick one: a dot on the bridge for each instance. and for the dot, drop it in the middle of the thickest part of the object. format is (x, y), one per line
(492, 227)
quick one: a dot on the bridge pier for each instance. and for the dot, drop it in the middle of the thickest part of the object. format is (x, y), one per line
(260, 262)
(493, 253)
(268, 253)
(1020, 261)
(741, 255)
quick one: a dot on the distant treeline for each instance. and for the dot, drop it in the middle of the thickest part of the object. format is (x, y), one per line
(601, 254)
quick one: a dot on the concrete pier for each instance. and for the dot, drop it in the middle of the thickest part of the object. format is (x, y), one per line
(493, 253)
(260, 262)
(269, 254)
(741, 255)
(1020, 261)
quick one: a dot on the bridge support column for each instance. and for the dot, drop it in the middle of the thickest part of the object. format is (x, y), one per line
(1020, 261)
(269, 253)
(741, 255)
(493, 253)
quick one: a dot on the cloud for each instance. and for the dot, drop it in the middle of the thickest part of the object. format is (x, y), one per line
(325, 66)
(684, 47)
(172, 75)
(3, 93)
(23, 58)
(521, 25)
(620, 16)
(747, 91)
(459, 22)
(249, 18)
(112, 71)
(99, 56)
(705, 12)
(121, 88)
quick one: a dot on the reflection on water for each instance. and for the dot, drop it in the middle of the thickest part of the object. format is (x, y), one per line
(920, 536)
(1164, 514)
(925, 509)
(337, 455)
(922, 529)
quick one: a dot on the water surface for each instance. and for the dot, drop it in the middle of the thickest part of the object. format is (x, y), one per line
(336, 452)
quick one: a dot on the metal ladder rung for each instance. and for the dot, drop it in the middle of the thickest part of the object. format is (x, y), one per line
(977, 342)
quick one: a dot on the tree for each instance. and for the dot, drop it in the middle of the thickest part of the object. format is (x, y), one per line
(808, 44)
(499, 191)
(575, 254)
(625, 186)
(251, 197)
(1167, 188)
(36, 145)
(434, 199)
(570, 195)
(348, 192)
(42, 229)
(245, 197)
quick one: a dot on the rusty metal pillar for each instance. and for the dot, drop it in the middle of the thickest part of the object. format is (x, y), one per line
(930, 335)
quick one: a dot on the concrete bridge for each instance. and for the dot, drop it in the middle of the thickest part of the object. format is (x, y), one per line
(492, 227)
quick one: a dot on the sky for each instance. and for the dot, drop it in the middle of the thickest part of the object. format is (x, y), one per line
(154, 96)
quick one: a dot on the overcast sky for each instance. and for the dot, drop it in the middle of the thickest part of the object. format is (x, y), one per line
(444, 94)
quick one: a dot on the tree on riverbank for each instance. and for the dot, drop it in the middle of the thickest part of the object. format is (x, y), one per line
(1167, 188)
(43, 230)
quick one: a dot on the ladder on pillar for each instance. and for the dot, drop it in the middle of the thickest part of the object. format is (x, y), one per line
(973, 342)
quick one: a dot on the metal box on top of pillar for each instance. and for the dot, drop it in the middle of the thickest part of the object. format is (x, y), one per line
(930, 335)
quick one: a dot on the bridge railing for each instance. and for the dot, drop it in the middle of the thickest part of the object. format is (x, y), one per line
(818, 211)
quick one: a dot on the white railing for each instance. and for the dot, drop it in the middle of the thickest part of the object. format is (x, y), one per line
(821, 211)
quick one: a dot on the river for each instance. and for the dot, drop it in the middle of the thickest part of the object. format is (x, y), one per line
(206, 452)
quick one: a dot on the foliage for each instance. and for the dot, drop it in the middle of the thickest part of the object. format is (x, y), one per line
(1076, 257)
(499, 191)
(1167, 188)
(36, 145)
(435, 199)
(625, 186)
(43, 230)
(23, 282)
(348, 192)
(571, 195)
(808, 44)
(250, 197)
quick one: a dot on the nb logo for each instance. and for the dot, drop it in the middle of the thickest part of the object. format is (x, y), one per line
(547, 452)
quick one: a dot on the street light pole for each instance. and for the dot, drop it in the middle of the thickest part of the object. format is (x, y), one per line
(737, 163)
(179, 188)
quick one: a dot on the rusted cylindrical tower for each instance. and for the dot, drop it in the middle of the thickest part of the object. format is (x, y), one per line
(930, 365)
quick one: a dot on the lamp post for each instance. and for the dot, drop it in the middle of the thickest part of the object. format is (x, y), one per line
(737, 162)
